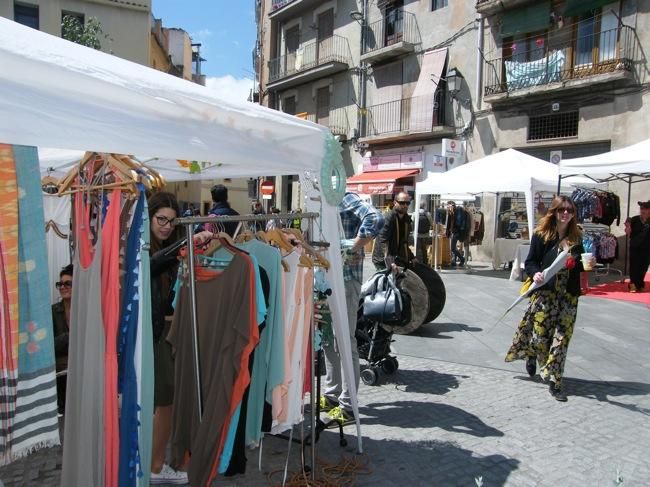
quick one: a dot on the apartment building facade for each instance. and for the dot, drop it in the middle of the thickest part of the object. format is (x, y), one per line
(125, 24)
(406, 83)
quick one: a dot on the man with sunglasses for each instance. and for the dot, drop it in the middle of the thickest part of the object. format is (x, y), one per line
(394, 237)
(61, 325)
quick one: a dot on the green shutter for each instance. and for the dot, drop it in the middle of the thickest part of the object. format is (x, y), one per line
(526, 19)
(577, 7)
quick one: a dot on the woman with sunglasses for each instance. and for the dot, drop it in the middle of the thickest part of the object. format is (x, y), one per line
(545, 330)
(61, 322)
(163, 210)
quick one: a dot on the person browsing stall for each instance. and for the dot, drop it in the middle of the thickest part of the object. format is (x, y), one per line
(394, 236)
(221, 207)
(361, 222)
(637, 229)
(545, 331)
(163, 210)
(61, 323)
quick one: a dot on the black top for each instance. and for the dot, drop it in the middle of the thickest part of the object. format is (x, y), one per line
(61, 336)
(542, 254)
(640, 235)
(162, 262)
(395, 236)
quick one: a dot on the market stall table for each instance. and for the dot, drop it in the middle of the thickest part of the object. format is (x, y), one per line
(504, 249)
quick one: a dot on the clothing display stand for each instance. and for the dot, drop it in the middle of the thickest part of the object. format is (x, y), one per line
(601, 270)
(190, 225)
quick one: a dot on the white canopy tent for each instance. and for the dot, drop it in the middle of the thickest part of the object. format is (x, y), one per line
(505, 171)
(54, 93)
(631, 161)
(630, 164)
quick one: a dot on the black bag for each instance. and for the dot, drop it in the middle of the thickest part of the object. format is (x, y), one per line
(384, 303)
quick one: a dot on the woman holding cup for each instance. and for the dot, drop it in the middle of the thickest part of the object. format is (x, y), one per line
(546, 328)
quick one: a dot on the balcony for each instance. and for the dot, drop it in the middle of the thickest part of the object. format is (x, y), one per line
(336, 121)
(603, 58)
(416, 118)
(390, 37)
(490, 7)
(312, 60)
(285, 9)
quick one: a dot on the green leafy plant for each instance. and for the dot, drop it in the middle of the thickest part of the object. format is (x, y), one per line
(89, 35)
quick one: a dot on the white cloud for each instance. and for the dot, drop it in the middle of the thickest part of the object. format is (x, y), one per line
(230, 87)
(202, 34)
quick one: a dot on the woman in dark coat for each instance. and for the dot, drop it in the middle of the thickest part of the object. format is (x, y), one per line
(545, 331)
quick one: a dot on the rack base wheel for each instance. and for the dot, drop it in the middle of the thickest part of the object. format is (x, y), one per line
(369, 376)
(389, 365)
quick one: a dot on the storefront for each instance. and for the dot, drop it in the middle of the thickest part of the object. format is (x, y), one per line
(386, 175)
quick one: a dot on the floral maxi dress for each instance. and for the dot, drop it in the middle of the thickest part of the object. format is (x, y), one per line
(546, 329)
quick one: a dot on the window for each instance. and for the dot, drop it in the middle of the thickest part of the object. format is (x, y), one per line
(289, 105)
(438, 4)
(26, 14)
(555, 126)
(292, 39)
(323, 105)
(394, 19)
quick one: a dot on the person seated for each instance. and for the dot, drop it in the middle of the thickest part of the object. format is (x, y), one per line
(61, 327)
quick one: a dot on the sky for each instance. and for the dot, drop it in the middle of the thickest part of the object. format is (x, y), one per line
(226, 31)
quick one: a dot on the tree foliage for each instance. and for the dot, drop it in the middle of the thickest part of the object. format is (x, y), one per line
(89, 35)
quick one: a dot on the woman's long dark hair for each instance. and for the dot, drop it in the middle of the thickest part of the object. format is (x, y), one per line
(163, 199)
(547, 226)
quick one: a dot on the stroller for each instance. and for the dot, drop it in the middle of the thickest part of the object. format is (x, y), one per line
(423, 298)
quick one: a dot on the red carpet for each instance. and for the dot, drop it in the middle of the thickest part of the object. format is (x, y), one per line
(618, 291)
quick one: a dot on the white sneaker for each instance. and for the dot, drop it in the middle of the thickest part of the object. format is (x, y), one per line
(168, 475)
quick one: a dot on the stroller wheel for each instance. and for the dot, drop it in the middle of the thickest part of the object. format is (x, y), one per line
(369, 376)
(389, 365)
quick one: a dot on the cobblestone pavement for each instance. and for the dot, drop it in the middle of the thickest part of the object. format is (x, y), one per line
(454, 411)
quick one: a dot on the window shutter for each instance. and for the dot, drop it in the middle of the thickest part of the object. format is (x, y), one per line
(577, 7)
(526, 19)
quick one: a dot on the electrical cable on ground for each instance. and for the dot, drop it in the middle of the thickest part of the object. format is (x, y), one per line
(340, 474)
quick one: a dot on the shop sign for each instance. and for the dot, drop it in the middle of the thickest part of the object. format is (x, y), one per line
(454, 151)
(409, 160)
(371, 188)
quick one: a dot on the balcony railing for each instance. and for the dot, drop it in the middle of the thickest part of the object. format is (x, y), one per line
(417, 114)
(310, 55)
(398, 26)
(336, 121)
(607, 51)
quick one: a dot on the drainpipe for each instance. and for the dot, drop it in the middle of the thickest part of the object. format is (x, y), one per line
(361, 123)
(479, 62)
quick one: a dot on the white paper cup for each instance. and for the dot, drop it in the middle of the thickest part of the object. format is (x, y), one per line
(586, 261)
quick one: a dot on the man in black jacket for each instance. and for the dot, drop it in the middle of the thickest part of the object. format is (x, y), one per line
(394, 237)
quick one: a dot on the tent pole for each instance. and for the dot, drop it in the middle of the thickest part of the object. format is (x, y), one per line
(629, 201)
(195, 335)
(559, 185)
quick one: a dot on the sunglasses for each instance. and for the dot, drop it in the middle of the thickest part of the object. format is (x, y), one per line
(163, 220)
(61, 284)
(566, 209)
(403, 203)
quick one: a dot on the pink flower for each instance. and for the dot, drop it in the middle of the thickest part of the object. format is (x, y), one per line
(32, 347)
(570, 262)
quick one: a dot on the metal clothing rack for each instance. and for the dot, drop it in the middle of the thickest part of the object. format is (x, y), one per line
(600, 269)
(190, 225)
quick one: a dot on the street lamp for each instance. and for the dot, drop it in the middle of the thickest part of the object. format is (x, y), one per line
(356, 16)
(454, 80)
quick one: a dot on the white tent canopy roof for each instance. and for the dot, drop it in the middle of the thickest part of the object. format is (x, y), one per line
(59, 94)
(633, 160)
(509, 170)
